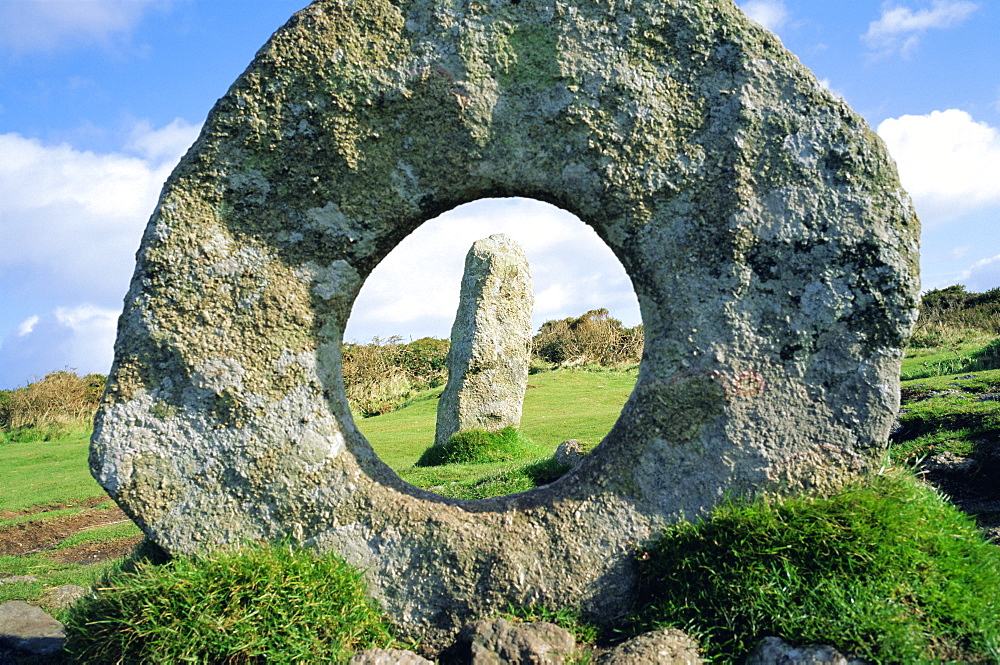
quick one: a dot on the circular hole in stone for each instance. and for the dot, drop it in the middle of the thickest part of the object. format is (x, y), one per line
(397, 338)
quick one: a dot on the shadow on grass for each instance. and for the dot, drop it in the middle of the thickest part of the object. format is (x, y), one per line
(986, 358)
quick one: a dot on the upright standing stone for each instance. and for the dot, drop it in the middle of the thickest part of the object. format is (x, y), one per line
(490, 341)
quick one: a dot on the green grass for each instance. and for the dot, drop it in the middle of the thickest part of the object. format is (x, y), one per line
(50, 574)
(48, 468)
(964, 351)
(39, 472)
(886, 569)
(271, 604)
(476, 446)
(559, 405)
(563, 404)
(503, 481)
(103, 534)
(957, 413)
(48, 514)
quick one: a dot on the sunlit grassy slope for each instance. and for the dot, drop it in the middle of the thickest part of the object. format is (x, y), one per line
(559, 405)
(38, 472)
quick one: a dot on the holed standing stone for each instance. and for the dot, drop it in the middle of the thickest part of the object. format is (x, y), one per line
(490, 341)
(761, 221)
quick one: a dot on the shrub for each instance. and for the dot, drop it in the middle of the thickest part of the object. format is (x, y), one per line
(273, 604)
(953, 310)
(60, 398)
(476, 446)
(381, 375)
(594, 337)
(886, 569)
(987, 357)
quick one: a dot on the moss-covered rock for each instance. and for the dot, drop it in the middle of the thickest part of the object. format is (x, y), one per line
(761, 221)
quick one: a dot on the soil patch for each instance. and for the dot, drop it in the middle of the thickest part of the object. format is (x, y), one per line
(92, 502)
(96, 552)
(45, 534)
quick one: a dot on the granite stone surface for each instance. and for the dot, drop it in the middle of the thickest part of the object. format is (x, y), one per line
(772, 249)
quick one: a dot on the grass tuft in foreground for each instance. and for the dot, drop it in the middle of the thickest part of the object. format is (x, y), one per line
(476, 446)
(274, 604)
(886, 570)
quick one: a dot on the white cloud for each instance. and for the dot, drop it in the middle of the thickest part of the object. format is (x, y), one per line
(93, 333)
(79, 338)
(26, 326)
(900, 28)
(70, 223)
(982, 275)
(164, 145)
(414, 291)
(48, 25)
(772, 14)
(76, 217)
(948, 162)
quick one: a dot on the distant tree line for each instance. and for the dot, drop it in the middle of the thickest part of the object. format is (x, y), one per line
(379, 376)
(951, 311)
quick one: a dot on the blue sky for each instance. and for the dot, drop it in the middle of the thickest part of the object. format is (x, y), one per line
(99, 98)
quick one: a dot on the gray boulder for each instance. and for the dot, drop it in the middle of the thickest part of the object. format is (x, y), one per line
(669, 647)
(65, 595)
(775, 651)
(500, 642)
(18, 579)
(762, 224)
(490, 341)
(30, 630)
(569, 452)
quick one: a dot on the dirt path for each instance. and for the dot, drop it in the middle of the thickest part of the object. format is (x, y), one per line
(44, 534)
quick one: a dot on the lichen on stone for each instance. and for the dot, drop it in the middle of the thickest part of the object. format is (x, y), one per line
(761, 221)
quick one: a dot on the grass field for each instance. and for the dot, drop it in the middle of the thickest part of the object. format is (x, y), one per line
(559, 405)
(47, 482)
(46, 487)
(53, 515)
(45, 472)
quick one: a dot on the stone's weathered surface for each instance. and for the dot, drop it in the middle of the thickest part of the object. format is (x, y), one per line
(29, 629)
(569, 452)
(388, 657)
(500, 642)
(490, 341)
(775, 651)
(667, 647)
(761, 221)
